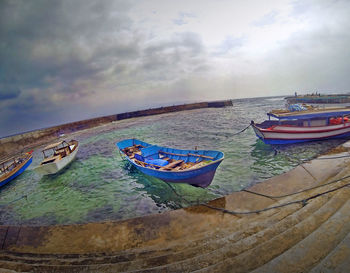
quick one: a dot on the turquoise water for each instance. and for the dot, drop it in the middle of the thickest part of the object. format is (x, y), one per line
(100, 186)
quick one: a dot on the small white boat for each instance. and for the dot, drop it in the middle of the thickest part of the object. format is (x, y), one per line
(57, 156)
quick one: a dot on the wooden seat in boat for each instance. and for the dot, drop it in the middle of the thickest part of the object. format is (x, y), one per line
(172, 165)
(50, 159)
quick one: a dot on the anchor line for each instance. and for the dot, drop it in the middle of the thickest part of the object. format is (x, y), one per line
(241, 131)
(303, 202)
(297, 192)
(13, 201)
(290, 157)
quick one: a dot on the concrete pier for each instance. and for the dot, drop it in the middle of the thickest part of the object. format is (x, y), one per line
(17, 143)
(309, 236)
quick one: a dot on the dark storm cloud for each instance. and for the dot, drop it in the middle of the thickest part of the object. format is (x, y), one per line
(56, 53)
(48, 47)
(8, 92)
(183, 53)
(59, 39)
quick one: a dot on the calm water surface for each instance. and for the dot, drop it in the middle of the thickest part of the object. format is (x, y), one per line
(99, 186)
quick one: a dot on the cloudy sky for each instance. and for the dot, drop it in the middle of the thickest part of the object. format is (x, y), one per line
(67, 60)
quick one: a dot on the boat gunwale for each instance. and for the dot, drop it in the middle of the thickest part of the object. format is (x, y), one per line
(175, 171)
(263, 137)
(301, 132)
(15, 169)
(172, 171)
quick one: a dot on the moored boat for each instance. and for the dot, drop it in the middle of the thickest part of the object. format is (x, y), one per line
(310, 124)
(12, 167)
(194, 167)
(57, 156)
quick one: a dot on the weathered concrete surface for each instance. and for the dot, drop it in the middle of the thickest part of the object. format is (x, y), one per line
(14, 144)
(295, 238)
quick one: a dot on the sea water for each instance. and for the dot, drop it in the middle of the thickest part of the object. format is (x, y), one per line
(99, 186)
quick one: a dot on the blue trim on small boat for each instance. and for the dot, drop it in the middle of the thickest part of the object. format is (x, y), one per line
(21, 170)
(201, 176)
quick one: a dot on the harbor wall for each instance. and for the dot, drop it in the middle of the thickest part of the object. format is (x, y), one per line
(319, 99)
(18, 143)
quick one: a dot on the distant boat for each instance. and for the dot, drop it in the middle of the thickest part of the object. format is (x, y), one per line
(57, 156)
(304, 125)
(194, 167)
(13, 167)
(318, 98)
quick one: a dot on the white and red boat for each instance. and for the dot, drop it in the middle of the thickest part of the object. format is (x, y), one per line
(306, 125)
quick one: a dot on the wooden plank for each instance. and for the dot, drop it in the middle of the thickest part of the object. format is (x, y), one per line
(144, 164)
(50, 159)
(172, 165)
(51, 146)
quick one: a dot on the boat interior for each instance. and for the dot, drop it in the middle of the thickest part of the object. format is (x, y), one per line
(156, 158)
(8, 165)
(57, 151)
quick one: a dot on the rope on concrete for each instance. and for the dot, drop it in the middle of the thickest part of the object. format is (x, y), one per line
(289, 157)
(297, 192)
(13, 201)
(303, 202)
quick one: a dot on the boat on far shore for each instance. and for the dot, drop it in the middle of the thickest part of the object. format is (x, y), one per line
(57, 156)
(194, 167)
(303, 124)
(319, 99)
(10, 168)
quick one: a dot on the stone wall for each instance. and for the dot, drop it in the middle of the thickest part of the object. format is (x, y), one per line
(18, 143)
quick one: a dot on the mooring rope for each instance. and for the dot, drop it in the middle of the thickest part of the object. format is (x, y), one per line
(303, 202)
(13, 201)
(288, 156)
(300, 162)
(297, 192)
(241, 131)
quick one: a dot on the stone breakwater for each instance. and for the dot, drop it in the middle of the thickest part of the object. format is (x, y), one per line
(336, 98)
(18, 143)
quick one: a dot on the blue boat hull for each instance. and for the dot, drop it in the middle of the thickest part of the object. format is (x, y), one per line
(200, 177)
(17, 173)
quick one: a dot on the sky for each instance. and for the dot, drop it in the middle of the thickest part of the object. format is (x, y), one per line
(64, 60)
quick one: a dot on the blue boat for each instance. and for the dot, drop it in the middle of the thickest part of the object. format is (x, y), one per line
(194, 167)
(13, 167)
